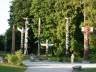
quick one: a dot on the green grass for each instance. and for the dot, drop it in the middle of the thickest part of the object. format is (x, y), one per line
(88, 70)
(11, 68)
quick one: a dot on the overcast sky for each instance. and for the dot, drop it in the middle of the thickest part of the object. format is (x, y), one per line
(4, 15)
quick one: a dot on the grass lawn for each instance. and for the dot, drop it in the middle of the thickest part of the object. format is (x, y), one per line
(88, 70)
(11, 68)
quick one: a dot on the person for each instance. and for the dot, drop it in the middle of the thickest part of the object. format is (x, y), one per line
(72, 58)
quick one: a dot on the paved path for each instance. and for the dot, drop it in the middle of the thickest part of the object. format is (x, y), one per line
(46, 66)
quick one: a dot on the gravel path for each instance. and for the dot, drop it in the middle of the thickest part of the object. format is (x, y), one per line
(46, 66)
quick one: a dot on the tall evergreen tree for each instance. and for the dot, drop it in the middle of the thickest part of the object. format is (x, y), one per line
(18, 11)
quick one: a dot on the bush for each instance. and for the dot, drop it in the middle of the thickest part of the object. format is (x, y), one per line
(92, 58)
(19, 55)
(15, 59)
(12, 59)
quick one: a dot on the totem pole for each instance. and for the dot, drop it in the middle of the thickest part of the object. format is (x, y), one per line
(47, 45)
(39, 23)
(67, 34)
(86, 30)
(22, 38)
(26, 36)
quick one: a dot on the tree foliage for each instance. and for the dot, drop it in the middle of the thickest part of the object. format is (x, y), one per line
(53, 23)
(53, 13)
(18, 11)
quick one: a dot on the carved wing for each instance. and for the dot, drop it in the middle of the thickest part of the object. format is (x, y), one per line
(43, 44)
(19, 29)
(50, 44)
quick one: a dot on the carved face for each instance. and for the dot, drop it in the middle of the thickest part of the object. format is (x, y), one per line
(87, 29)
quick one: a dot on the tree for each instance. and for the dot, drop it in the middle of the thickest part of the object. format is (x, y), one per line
(1, 43)
(53, 15)
(18, 11)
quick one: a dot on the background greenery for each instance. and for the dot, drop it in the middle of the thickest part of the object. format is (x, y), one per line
(52, 14)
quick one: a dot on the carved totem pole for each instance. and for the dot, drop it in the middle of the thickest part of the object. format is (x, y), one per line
(86, 30)
(67, 34)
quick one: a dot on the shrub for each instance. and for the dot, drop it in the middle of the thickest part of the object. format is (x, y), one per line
(19, 55)
(12, 59)
(15, 59)
(92, 58)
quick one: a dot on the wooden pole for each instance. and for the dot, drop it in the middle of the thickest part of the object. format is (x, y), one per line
(5, 42)
(47, 45)
(22, 38)
(26, 37)
(13, 39)
(39, 36)
(84, 13)
(67, 34)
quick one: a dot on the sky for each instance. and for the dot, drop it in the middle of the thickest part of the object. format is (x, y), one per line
(4, 15)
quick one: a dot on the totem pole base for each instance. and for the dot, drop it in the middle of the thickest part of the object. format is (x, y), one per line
(86, 53)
